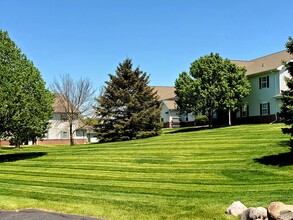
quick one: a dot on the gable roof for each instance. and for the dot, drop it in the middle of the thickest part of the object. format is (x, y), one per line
(171, 104)
(61, 104)
(165, 92)
(265, 63)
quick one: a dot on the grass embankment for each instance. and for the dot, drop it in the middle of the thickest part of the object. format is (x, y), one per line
(182, 174)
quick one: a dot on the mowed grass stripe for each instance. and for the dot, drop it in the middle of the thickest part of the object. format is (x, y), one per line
(171, 176)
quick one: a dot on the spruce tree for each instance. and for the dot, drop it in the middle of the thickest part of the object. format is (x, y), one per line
(128, 108)
(287, 96)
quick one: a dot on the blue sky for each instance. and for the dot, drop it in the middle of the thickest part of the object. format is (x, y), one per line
(89, 38)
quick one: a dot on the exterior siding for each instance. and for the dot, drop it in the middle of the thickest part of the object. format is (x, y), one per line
(270, 95)
(283, 73)
(259, 95)
(56, 130)
(165, 113)
(190, 118)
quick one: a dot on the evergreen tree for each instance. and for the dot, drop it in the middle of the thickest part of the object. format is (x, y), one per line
(25, 103)
(287, 96)
(128, 108)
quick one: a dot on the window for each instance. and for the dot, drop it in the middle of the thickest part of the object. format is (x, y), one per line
(245, 111)
(186, 118)
(65, 135)
(64, 116)
(80, 133)
(264, 82)
(265, 108)
(75, 116)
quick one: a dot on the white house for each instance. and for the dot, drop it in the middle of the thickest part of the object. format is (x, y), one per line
(262, 105)
(58, 132)
(266, 76)
(170, 116)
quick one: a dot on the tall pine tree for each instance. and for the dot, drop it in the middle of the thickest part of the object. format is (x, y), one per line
(287, 96)
(128, 108)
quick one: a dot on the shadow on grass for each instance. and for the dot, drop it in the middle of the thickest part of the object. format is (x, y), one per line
(20, 156)
(282, 159)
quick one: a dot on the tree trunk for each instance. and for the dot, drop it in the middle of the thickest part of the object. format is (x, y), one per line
(17, 144)
(210, 118)
(229, 113)
(71, 134)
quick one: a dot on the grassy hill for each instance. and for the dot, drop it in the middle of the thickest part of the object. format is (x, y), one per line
(182, 174)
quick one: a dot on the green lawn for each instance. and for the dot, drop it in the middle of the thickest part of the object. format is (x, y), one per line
(182, 174)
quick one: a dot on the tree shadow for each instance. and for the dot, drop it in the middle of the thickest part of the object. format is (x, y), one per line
(20, 156)
(282, 159)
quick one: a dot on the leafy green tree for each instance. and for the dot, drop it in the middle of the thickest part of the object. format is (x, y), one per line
(25, 103)
(287, 96)
(237, 88)
(212, 83)
(128, 108)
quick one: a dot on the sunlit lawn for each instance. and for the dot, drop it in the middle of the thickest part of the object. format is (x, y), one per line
(182, 174)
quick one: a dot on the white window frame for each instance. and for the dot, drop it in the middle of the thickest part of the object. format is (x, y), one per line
(82, 132)
(264, 82)
(244, 111)
(264, 108)
(65, 135)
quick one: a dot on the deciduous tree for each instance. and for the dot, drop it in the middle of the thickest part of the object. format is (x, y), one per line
(128, 108)
(25, 103)
(212, 83)
(75, 99)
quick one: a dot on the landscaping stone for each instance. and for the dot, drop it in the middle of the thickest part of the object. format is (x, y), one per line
(236, 208)
(286, 215)
(258, 213)
(253, 213)
(245, 215)
(275, 210)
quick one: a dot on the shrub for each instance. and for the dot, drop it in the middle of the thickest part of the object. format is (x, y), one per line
(201, 120)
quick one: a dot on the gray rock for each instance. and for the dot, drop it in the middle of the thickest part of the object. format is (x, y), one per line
(245, 215)
(258, 213)
(286, 215)
(253, 213)
(236, 208)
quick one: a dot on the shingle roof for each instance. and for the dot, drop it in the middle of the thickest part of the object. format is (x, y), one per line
(265, 63)
(255, 66)
(60, 104)
(165, 92)
(171, 104)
